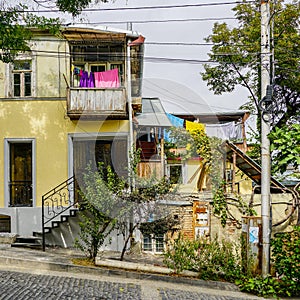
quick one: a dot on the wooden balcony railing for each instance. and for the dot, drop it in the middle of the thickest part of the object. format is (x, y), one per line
(96, 102)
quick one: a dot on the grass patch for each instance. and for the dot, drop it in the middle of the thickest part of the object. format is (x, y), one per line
(86, 262)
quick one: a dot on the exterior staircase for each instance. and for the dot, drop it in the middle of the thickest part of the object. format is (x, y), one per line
(59, 207)
(32, 242)
(63, 218)
(36, 240)
(148, 149)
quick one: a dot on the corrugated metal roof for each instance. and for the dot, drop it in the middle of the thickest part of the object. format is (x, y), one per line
(100, 29)
(153, 114)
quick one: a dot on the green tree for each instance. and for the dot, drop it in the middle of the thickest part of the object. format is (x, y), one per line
(99, 209)
(237, 54)
(142, 200)
(285, 143)
(74, 7)
(16, 21)
(110, 202)
(15, 24)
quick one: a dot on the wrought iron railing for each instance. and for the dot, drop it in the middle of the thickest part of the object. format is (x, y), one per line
(20, 193)
(57, 201)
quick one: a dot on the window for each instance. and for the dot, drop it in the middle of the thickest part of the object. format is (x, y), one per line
(174, 172)
(22, 78)
(20, 174)
(98, 68)
(153, 243)
(120, 67)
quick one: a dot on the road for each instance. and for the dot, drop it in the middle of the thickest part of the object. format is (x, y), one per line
(24, 284)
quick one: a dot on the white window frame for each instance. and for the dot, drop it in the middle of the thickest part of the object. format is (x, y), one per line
(9, 85)
(7, 142)
(153, 243)
(183, 171)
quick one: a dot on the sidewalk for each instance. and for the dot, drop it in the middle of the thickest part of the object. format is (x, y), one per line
(143, 267)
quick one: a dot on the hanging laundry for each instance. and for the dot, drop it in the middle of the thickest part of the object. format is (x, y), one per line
(76, 70)
(91, 81)
(84, 79)
(176, 122)
(225, 131)
(193, 126)
(107, 79)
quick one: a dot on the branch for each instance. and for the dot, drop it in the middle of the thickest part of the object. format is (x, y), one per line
(246, 84)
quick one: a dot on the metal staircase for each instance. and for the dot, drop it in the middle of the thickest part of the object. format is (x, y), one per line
(58, 205)
(248, 165)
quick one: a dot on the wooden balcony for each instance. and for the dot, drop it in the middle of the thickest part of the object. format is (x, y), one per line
(96, 102)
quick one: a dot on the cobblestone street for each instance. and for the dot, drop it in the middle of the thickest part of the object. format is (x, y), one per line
(25, 286)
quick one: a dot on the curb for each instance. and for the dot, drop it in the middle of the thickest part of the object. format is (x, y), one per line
(130, 266)
(118, 268)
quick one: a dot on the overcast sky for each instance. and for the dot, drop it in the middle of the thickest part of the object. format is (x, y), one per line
(177, 84)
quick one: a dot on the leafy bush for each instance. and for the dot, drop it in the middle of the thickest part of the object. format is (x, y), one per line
(286, 260)
(213, 260)
(181, 255)
(260, 286)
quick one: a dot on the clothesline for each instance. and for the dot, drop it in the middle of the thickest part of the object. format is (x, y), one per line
(105, 79)
(229, 130)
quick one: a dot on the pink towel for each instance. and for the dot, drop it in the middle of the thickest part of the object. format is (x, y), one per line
(107, 79)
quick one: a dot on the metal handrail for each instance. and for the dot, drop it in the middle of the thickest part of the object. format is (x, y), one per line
(57, 201)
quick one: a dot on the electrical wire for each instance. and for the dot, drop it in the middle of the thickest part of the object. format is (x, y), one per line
(157, 21)
(122, 56)
(178, 96)
(161, 43)
(146, 7)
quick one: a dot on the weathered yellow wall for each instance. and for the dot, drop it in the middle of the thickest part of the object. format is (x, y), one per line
(193, 168)
(51, 64)
(47, 123)
(2, 80)
(192, 171)
(280, 208)
(45, 119)
(50, 61)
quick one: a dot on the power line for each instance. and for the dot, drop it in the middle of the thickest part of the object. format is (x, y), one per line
(178, 44)
(122, 56)
(158, 21)
(161, 43)
(178, 96)
(146, 7)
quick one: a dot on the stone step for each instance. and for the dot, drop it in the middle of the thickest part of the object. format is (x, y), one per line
(32, 242)
(27, 239)
(27, 245)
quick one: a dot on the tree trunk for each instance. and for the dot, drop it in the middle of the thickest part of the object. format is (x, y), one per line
(126, 241)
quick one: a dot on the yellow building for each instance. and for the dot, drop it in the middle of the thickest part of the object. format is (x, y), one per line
(62, 104)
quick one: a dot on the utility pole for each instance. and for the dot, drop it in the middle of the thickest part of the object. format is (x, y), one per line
(130, 114)
(265, 143)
